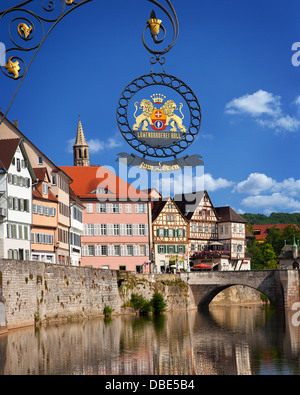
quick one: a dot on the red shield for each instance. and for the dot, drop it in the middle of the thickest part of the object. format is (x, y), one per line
(159, 120)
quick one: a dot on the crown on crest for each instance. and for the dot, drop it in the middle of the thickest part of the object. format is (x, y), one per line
(158, 98)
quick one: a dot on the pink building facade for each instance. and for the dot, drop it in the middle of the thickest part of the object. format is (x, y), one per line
(116, 225)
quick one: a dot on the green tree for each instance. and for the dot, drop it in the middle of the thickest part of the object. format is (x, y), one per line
(275, 239)
(288, 233)
(158, 303)
(139, 303)
(269, 256)
(257, 260)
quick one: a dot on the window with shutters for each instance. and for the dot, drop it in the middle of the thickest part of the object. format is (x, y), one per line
(129, 230)
(103, 230)
(101, 207)
(160, 232)
(116, 208)
(142, 250)
(116, 230)
(91, 250)
(129, 250)
(180, 249)
(89, 208)
(142, 230)
(160, 249)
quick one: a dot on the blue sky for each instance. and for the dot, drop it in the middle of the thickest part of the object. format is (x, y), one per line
(235, 55)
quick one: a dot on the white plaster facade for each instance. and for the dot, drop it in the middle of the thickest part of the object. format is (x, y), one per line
(76, 231)
(16, 207)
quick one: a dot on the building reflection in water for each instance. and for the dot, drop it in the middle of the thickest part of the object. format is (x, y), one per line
(223, 340)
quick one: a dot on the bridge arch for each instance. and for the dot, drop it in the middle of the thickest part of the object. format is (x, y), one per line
(206, 285)
(210, 294)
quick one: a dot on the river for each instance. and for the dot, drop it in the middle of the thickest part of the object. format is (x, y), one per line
(224, 340)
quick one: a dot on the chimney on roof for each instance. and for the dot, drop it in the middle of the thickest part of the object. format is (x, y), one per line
(16, 124)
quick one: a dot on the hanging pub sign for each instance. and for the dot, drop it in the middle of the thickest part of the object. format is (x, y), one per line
(158, 114)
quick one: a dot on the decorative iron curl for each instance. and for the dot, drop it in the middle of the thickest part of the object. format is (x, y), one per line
(31, 20)
(174, 21)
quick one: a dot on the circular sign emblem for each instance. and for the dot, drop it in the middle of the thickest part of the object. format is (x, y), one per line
(154, 123)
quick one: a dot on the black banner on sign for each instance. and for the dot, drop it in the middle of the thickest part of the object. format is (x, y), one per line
(159, 166)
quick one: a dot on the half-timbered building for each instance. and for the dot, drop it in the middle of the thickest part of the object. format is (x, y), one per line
(170, 236)
(216, 236)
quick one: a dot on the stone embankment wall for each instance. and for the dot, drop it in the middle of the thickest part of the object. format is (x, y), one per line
(36, 291)
(177, 293)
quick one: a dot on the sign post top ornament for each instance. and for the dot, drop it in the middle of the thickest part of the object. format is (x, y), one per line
(158, 114)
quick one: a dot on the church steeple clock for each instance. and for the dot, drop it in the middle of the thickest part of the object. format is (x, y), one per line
(80, 148)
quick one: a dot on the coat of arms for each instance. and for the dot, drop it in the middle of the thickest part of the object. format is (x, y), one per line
(158, 118)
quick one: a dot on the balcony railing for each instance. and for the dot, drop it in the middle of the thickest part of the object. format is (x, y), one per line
(210, 254)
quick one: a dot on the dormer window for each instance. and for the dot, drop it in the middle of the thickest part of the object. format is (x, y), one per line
(99, 191)
(45, 189)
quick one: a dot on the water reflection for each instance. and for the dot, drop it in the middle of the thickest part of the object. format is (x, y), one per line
(223, 340)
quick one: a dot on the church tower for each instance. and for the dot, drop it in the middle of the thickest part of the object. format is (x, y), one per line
(80, 148)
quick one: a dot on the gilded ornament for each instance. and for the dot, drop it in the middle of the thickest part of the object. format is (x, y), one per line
(69, 2)
(24, 29)
(154, 24)
(13, 67)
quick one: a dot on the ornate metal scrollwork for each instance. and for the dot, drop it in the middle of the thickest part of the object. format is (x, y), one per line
(156, 25)
(158, 131)
(30, 27)
(158, 150)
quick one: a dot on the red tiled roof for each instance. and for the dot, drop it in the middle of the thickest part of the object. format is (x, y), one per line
(88, 178)
(38, 195)
(7, 151)
(40, 173)
(264, 229)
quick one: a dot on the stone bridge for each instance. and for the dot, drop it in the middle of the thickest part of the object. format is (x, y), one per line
(282, 287)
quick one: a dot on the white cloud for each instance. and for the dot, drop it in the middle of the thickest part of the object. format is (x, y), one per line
(255, 184)
(286, 123)
(272, 202)
(268, 194)
(297, 102)
(266, 109)
(96, 145)
(259, 103)
(113, 143)
(186, 183)
(211, 184)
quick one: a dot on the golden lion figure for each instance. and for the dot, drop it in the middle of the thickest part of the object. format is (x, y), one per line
(145, 117)
(168, 108)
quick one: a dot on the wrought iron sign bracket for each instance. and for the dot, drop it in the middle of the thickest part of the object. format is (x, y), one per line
(26, 26)
(158, 131)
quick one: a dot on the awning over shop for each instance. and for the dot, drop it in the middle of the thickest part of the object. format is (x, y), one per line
(202, 266)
